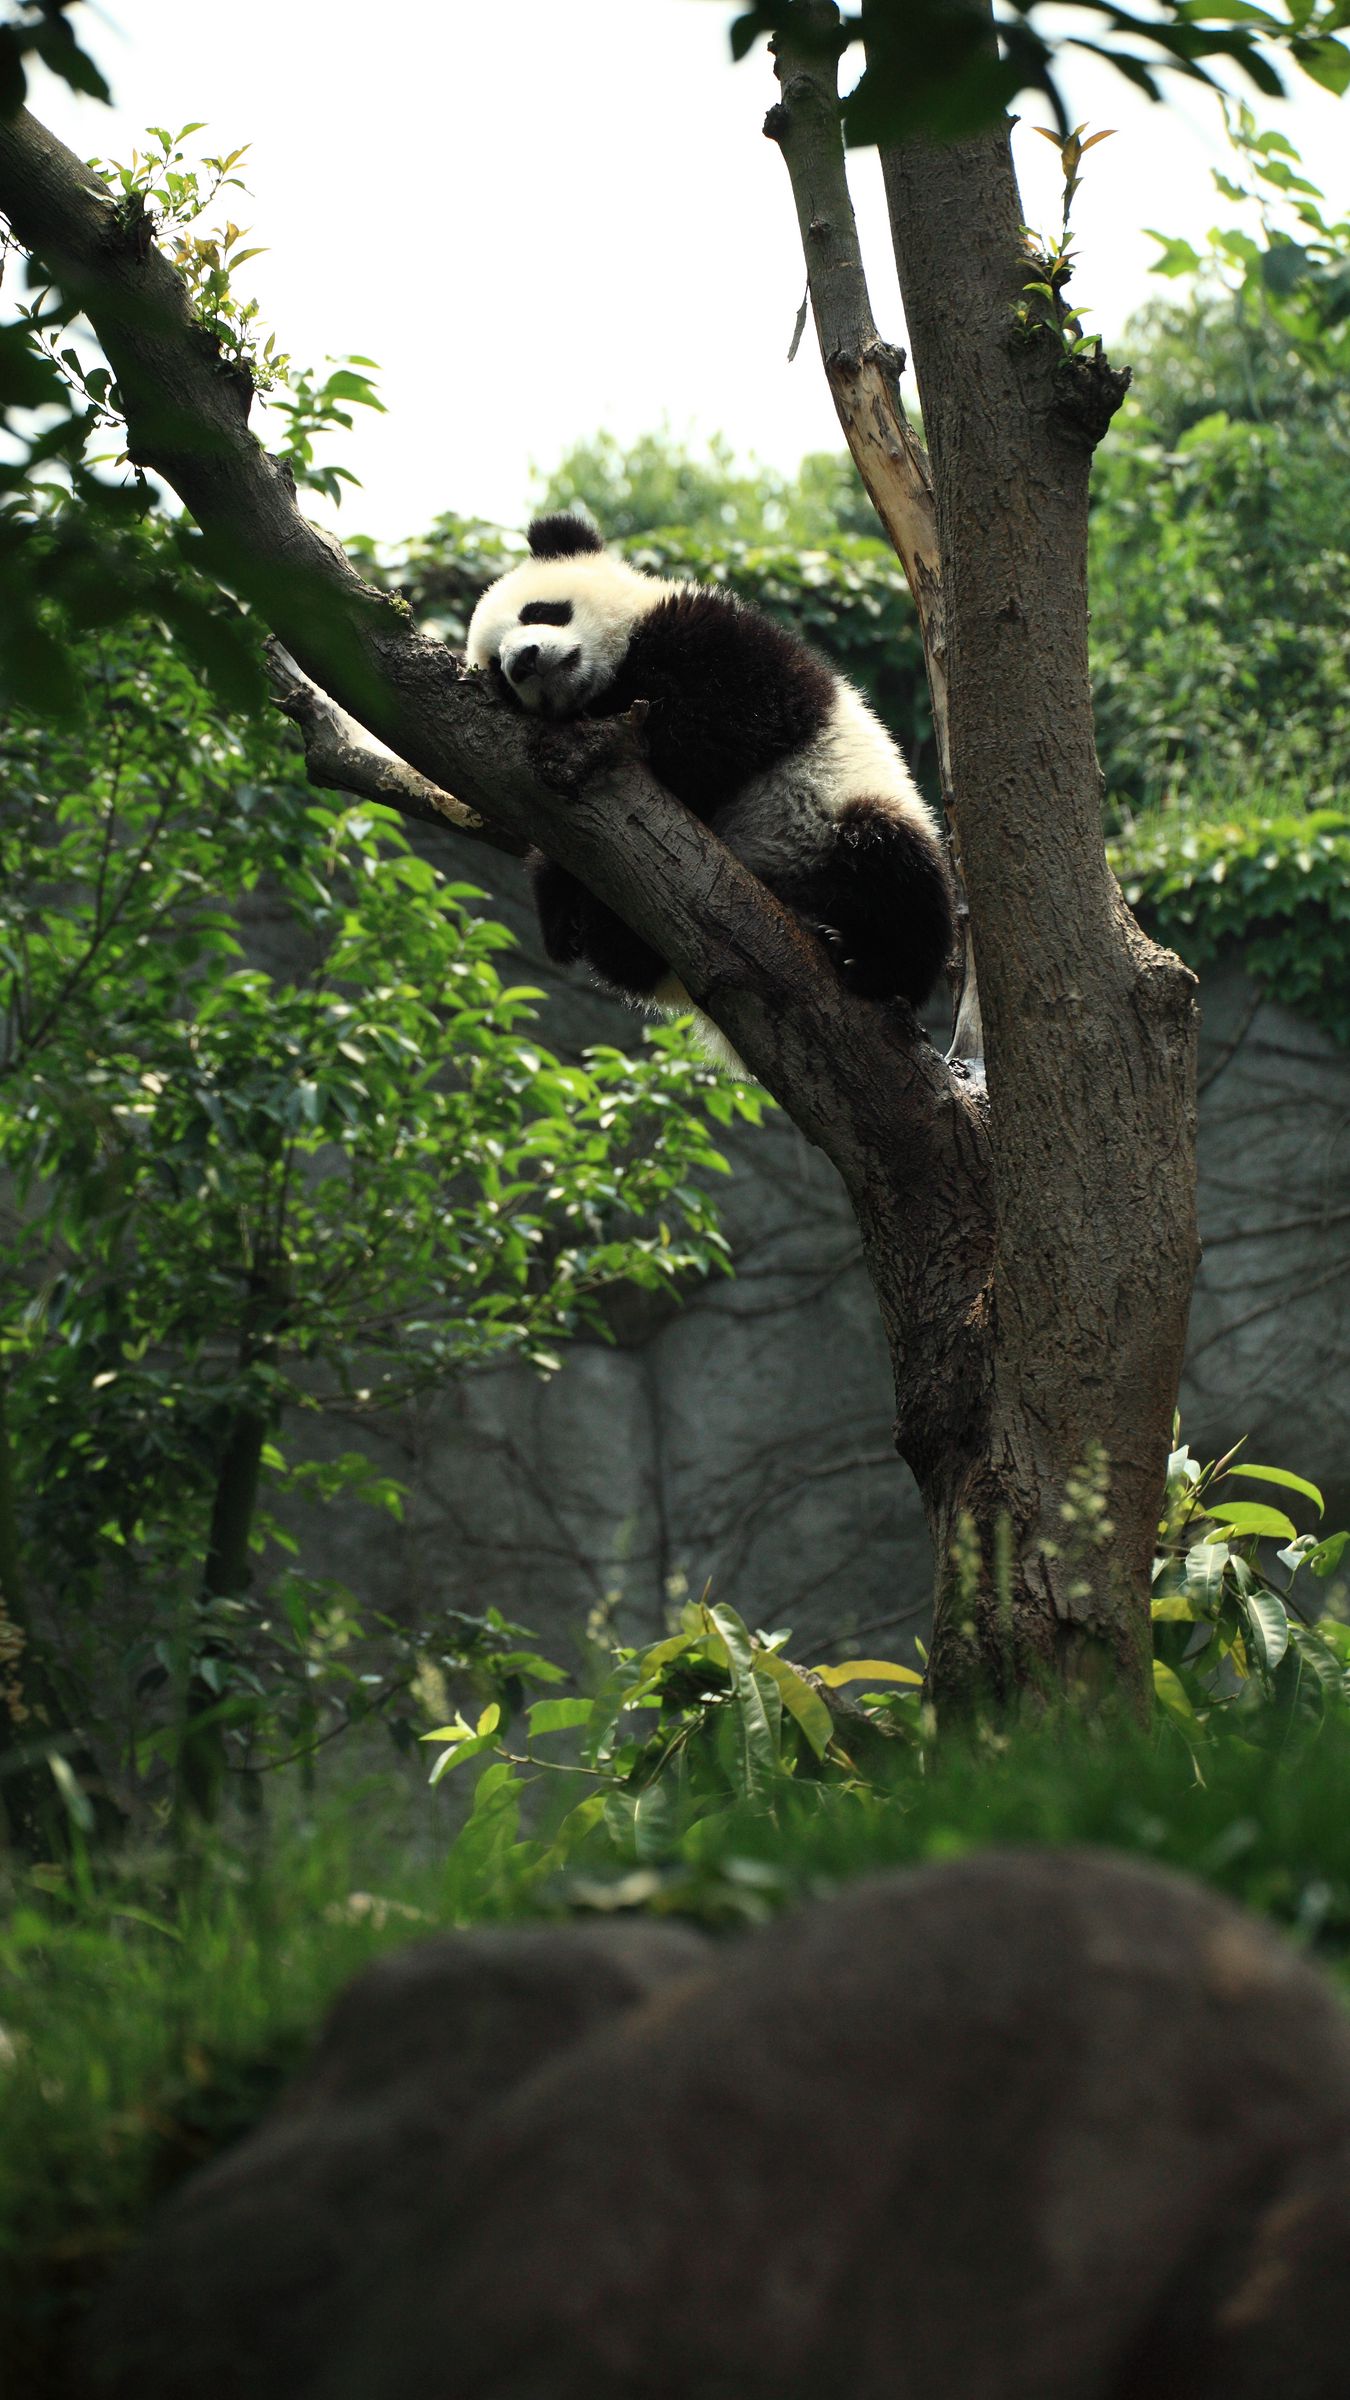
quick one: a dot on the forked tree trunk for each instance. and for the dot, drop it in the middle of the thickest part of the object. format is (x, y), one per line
(1044, 1501)
(1032, 1261)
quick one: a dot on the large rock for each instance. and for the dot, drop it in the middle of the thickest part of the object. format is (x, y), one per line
(263, 2259)
(1034, 2124)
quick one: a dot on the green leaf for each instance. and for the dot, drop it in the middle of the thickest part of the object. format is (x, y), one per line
(1247, 1517)
(1178, 257)
(1325, 1559)
(757, 1757)
(1168, 1688)
(1287, 1482)
(1322, 1659)
(456, 1755)
(805, 1705)
(1327, 62)
(1269, 1621)
(492, 1780)
(653, 1830)
(556, 1716)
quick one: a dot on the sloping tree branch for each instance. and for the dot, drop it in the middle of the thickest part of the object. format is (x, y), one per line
(341, 757)
(860, 1080)
(862, 370)
(863, 373)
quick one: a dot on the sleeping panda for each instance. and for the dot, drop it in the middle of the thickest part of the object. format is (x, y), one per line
(752, 731)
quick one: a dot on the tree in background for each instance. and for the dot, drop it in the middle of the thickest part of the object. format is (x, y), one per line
(283, 1141)
(1032, 1265)
(1221, 516)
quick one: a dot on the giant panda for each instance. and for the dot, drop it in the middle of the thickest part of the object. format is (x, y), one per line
(780, 756)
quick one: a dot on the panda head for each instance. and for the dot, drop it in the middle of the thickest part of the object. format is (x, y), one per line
(557, 627)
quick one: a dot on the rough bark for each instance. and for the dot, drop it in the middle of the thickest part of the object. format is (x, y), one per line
(999, 1399)
(339, 757)
(1090, 1029)
(863, 373)
(1043, 1517)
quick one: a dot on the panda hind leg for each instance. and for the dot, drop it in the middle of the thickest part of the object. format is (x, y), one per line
(576, 926)
(883, 898)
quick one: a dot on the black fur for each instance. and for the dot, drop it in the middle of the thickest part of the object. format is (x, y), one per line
(728, 696)
(563, 536)
(575, 926)
(882, 896)
(729, 693)
(546, 612)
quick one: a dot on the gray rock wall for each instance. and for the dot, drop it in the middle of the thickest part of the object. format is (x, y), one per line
(745, 1439)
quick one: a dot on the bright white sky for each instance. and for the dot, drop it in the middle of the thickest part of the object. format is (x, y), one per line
(546, 216)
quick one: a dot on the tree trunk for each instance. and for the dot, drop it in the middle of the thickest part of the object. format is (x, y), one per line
(1090, 1029)
(202, 1758)
(1043, 1486)
(1033, 1264)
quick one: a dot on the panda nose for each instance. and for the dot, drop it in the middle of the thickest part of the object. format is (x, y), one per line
(524, 662)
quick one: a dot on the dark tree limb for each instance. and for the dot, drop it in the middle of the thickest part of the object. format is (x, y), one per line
(862, 370)
(341, 757)
(1090, 1028)
(863, 373)
(860, 1079)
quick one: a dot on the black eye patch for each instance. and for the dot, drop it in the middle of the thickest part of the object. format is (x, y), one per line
(546, 612)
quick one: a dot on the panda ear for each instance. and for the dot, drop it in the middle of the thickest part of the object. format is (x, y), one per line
(563, 537)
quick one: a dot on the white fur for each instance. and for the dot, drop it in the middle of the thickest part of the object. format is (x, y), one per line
(779, 822)
(607, 598)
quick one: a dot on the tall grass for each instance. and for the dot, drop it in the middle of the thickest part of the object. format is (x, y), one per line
(151, 2008)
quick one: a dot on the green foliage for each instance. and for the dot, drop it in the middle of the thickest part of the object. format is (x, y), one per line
(72, 513)
(669, 1737)
(669, 1745)
(1240, 1625)
(932, 70)
(249, 1191)
(1289, 277)
(1277, 889)
(656, 485)
(40, 29)
(169, 197)
(1043, 306)
(1221, 579)
(1221, 519)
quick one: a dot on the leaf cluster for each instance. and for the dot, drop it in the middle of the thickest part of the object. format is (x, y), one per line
(1291, 276)
(1276, 889)
(165, 193)
(933, 67)
(670, 1740)
(41, 29)
(1237, 1629)
(283, 1139)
